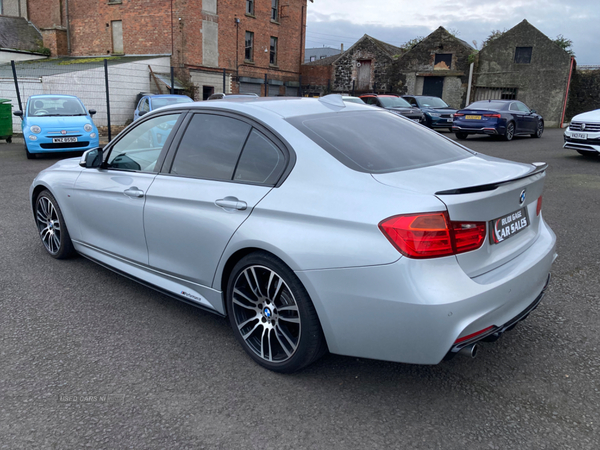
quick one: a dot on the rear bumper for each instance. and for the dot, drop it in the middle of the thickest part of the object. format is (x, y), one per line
(495, 332)
(479, 130)
(414, 311)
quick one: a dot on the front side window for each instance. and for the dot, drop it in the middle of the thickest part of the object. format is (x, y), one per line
(140, 148)
(523, 55)
(250, 7)
(392, 144)
(210, 147)
(275, 10)
(249, 50)
(273, 57)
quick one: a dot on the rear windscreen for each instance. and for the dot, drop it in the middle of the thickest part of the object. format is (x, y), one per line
(378, 141)
(491, 106)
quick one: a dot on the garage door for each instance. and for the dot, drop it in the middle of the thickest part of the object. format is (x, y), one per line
(250, 88)
(291, 91)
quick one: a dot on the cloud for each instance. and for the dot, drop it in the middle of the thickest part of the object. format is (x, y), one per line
(332, 22)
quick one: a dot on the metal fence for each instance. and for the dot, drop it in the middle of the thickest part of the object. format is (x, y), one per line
(113, 86)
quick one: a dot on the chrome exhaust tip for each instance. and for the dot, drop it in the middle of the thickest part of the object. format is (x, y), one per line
(469, 351)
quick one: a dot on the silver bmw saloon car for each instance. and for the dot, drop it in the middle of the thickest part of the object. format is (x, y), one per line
(314, 225)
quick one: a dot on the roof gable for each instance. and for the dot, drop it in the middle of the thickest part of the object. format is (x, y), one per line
(432, 38)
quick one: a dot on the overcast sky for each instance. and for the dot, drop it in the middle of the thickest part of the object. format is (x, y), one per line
(333, 22)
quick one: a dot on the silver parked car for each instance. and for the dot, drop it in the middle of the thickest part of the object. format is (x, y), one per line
(313, 224)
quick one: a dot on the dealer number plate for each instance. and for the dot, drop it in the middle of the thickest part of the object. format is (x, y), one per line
(579, 135)
(507, 226)
(473, 117)
(63, 140)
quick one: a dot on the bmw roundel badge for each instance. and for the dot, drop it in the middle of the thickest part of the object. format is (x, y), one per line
(522, 197)
(267, 313)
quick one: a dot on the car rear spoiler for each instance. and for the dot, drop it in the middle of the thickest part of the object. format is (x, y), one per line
(539, 167)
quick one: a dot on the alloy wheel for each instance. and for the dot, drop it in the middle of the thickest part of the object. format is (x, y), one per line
(266, 314)
(48, 223)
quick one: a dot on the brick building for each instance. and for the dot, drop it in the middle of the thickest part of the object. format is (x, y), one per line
(247, 38)
(364, 67)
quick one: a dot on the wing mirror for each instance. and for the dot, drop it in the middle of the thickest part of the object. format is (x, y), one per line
(533, 111)
(91, 159)
(92, 111)
(18, 113)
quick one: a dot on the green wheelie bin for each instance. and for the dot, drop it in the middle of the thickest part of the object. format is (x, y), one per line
(5, 120)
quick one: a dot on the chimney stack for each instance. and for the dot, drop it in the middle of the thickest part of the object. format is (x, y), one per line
(342, 48)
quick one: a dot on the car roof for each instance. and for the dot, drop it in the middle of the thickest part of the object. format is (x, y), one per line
(284, 107)
(165, 95)
(53, 95)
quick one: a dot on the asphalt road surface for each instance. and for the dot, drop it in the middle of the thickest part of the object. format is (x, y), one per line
(91, 359)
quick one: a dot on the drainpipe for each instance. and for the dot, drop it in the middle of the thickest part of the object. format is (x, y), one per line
(301, 38)
(562, 117)
(470, 84)
(68, 27)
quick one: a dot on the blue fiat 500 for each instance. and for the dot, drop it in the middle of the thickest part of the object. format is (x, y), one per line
(57, 123)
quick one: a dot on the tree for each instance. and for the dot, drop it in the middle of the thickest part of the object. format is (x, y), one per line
(410, 44)
(565, 44)
(495, 34)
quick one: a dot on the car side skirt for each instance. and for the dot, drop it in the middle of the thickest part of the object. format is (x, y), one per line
(192, 293)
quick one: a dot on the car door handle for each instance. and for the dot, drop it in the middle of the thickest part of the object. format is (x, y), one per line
(231, 203)
(133, 192)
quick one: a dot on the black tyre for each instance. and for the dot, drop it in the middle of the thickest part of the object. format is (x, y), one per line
(539, 130)
(272, 315)
(29, 155)
(9, 140)
(509, 134)
(461, 135)
(51, 227)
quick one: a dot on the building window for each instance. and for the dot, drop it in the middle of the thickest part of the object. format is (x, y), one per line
(117, 36)
(250, 7)
(275, 10)
(313, 58)
(523, 55)
(489, 93)
(273, 56)
(443, 61)
(249, 51)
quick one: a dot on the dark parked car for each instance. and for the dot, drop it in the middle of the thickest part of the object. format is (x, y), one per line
(221, 96)
(436, 111)
(506, 118)
(394, 104)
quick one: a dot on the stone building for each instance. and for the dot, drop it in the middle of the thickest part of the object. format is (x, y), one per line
(248, 39)
(437, 66)
(362, 68)
(524, 64)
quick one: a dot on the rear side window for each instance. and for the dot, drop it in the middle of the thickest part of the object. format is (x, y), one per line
(378, 141)
(210, 147)
(261, 161)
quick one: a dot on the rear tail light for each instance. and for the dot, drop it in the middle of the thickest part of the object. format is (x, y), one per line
(538, 208)
(432, 235)
(458, 114)
(497, 116)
